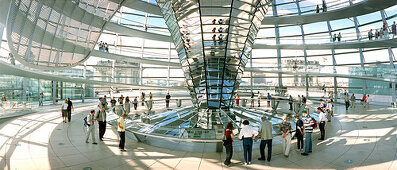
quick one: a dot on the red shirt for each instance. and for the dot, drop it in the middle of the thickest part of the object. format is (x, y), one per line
(228, 134)
(365, 98)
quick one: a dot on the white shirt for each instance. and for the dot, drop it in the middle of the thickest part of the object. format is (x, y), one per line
(247, 131)
(321, 117)
(121, 121)
(65, 106)
(259, 96)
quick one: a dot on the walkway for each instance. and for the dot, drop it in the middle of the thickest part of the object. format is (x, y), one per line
(336, 45)
(364, 140)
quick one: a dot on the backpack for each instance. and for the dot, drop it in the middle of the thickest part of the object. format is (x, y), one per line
(315, 123)
(85, 122)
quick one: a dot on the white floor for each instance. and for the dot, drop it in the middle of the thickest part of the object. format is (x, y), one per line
(360, 139)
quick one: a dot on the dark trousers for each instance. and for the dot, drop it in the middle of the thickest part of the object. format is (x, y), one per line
(269, 149)
(347, 105)
(122, 140)
(69, 115)
(135, 105)
(322, 129)
(102, 129)
(229, 153)
(247, 145)
(299, 140)
(290, 106)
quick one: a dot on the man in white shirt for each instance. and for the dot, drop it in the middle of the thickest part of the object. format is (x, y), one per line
(247, 134)
(321, 123)
(121, 130)
(91, 127)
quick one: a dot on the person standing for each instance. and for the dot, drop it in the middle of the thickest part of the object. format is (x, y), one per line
(143, 98)
(331, 110)
(167, 100)
(299, 103)
(64, 110)
(376, 34)
(247, 134)
(121, 100)
(299, 133)
(105, 102)
(127, 105)
(41, 99)
(135, 102)
(308, 124)
(228, 143)
(121, 130)
(113, 101)
(321, 121)
(265, 129)
(352, 101)
(259, 99)
(304, 100)
(3, 101)
(101, 117)
(393, 29)
(237, 100)
(252, 99)
(91, 127)
(318, 9)
(290, 102)
(70, 108)
(268, 99)
(367, 101)
(324, 6)
(285, 129)
(334, 37)
(370, 34)
(339, 37)
(150, 103)
(347, 101)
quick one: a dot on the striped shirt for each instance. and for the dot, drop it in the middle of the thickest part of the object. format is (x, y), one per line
(307, 121)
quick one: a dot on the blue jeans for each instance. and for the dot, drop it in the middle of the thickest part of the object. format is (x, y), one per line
(247, 145)
(308, 142)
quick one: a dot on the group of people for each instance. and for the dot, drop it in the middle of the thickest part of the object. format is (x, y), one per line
(304, 129)
(382, 32)
(104, 47)
(350, 101)
(337, 37)
(99, 115)
(66, 110)
(324, 7)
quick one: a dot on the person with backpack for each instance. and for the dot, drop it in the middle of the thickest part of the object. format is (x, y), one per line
(228, 143)
(308, 124)
(90, 122)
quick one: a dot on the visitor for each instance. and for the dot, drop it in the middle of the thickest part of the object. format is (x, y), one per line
(228, 143)
(265, 129)
(285, 129)
(64, 110)
(321, 121)
(334, 37)
(70, 107)
(220, 29)
(304, 100)
(41, 99)
(367, 101)
(393, 29)
(127, 105)
(107, 47)
(135, 103)
(105, 102)
(381, 33)
(214, 30)
(318, 9)
(376, 34)
(330, 110)
(121, 130)
(100, 46)
(268, 99)
(370, 34)
(384, 26)
(150, 103)
(214, 21)
(150, 95)
(324, 6)
(3, 101)
(100, 104)
(347, 101)
(91, 127)
(364, 100)
(252, 99)
(299, 103)
(167, 100)
(237, 100)
(221, 21)
(290, 102)
(308, 129)
(101, 118)
(121, 100)
(113, 102)
(247, 134)
(299, 133)
(339, 37)
(259, 99)
(143, 98)
(352, 101)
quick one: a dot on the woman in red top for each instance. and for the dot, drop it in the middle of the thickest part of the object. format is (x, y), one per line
(228, 143)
